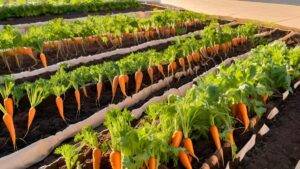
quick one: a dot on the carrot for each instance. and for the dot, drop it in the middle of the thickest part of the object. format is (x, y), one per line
(77, 97)
(188, 145)
(138, 80)
(84, 91)
(184, 159)
(172, 67)
(9, 123)
(190, 60)
(60, 106)
(122, 82)
(230, 138)
(43, 59)
(31, 115)
(215, 136)
(9, 106)
(115, 160)
(97, 155)
(196, 56)
(99, 90)
(114, 86)
(242, 110)
(152, 163)
(161, 69)
(182, 63)
(176, 138)
(150, 73)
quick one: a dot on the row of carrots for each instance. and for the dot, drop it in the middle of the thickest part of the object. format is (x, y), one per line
(215, 106)
(214, 40)
(61, 35)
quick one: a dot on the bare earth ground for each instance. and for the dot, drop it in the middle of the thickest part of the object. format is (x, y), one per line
(280, 148)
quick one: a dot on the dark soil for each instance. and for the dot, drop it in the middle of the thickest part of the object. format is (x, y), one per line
(89, 108)
(25, 63)
(34, 19)
(280, 148)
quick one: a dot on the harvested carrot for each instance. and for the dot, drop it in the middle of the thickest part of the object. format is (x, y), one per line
(114, 86)
(99, 90)
(60, 106)
(188, 145)
(43, 59)
(242, 110)
(138, 80)
(31, 115)
(9, 123)
(77, 97)
(184, 159)
(215, 136)
(152, 163)
(182, 63)
(123, 79)
(176, 138)
(161, 69)
(97, 155)
(9, 106)
(115, 159)
(150, 73)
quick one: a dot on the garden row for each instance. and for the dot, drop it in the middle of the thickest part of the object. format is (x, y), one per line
(180, 56)
(61, 40)
(211, 109)
(33, 8)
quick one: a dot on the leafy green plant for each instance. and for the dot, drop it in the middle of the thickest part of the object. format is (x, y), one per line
(69, 153)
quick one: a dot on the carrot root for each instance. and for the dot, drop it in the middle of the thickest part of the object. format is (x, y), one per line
(97, 155)
(9, 123)
(176, 138)
(9, 106)
(115, 159)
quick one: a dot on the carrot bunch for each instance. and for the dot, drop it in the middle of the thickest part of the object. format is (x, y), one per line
(36, 93)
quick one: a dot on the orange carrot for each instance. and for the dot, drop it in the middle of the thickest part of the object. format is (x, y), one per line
(43, 59)
(196, 56)
(161, 69)
(114, 86)
(188, 145)
(176, 138)
(122, 82)
(97, 155)
(9, 106)
(99, 90)
(60, 106)
(84, 91)
(184, 159)
(9, 123)
(152, 163)
(242, 110)
(215, 136)
(172, 67)
(115, 160)
(182, 63)
(138, 80)
(31, 115)
(77, 97)
(150, 73)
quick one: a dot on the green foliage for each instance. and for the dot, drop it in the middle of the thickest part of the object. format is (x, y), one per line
(30, 8)
(88, 137)
(69, 153)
